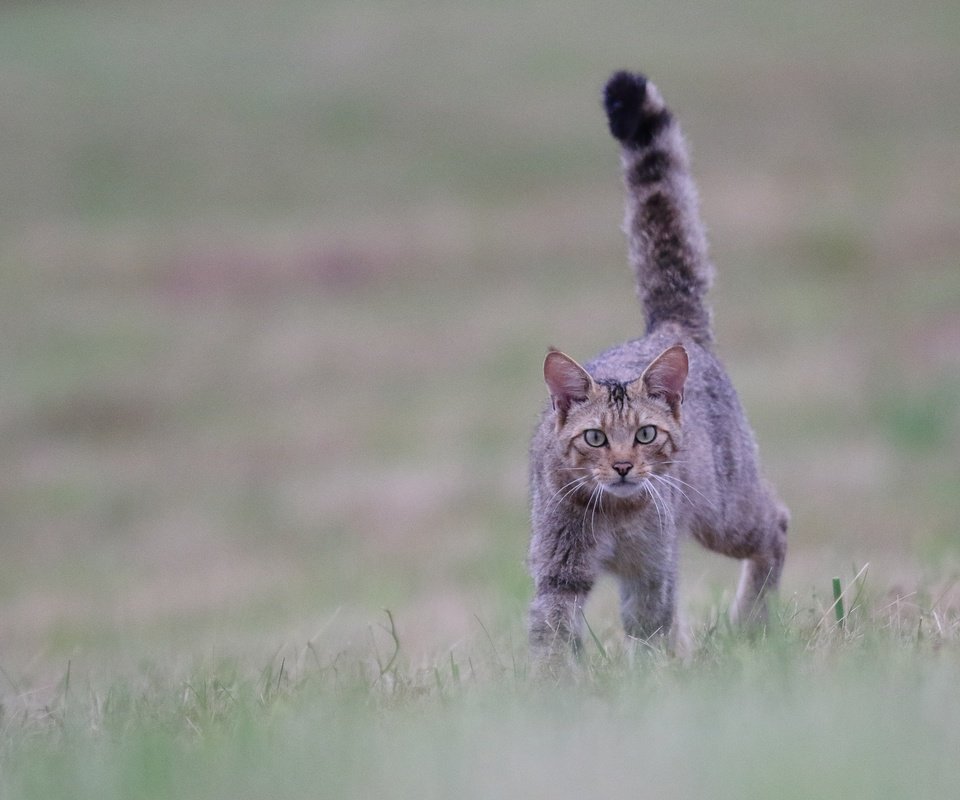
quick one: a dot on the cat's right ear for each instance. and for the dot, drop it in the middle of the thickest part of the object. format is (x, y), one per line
(567, 381)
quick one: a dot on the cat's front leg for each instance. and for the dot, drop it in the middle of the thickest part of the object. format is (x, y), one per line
(556, 621)
(648, 605)
(564, 569)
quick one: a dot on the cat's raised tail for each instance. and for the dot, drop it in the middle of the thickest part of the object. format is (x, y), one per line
(667, 242)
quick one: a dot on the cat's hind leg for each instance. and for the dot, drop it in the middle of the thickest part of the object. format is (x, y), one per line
(762, 567)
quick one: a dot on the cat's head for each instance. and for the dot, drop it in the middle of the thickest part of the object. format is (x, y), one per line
(616, 435)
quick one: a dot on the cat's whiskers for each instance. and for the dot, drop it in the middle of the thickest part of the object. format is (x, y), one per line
(578, 479)
(678, 482)
(669, 482)
(586, 508)
(571, 487)
(577, 485)
(685, 483)
(597, 504)
(659, 502)
(648, 488)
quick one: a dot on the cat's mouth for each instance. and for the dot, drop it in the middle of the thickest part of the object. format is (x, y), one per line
(624, 487)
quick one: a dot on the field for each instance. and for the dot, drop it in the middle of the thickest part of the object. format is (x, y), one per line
(276, 282)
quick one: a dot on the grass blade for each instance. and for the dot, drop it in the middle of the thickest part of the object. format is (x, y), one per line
(838, 602)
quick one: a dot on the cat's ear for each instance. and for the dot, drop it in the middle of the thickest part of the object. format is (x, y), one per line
(665, 376)
(567, 381)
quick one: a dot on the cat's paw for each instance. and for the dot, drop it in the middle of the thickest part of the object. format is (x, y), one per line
(635, 109)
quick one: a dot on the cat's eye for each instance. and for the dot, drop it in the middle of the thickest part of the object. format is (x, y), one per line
(595, 438)
(646, 434)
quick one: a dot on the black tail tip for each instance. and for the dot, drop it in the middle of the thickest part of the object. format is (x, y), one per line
(623, 99)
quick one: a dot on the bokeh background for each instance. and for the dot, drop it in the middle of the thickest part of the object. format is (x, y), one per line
(276, 280)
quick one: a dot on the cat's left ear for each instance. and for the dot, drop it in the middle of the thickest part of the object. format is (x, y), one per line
(567, 381)
(665, 377)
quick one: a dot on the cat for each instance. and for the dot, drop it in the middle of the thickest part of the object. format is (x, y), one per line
(647, 442)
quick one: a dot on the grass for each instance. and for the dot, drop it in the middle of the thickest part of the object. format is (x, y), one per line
(275, 286)
(811, 708)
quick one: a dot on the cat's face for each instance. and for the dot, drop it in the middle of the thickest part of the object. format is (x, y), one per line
(616, 438)
(618, 446)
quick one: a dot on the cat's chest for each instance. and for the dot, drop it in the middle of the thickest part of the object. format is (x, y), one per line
(627, 541)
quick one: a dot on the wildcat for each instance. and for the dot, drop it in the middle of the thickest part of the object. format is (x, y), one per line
(647, 442)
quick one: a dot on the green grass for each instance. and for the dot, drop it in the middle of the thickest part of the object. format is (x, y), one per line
(811, 708)
(276, 281)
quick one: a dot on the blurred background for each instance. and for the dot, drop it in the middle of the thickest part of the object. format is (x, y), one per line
(277, 280)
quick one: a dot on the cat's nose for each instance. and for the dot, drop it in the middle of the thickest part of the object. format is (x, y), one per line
(622, 468)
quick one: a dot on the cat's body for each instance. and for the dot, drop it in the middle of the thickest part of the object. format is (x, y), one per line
(647, 442)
